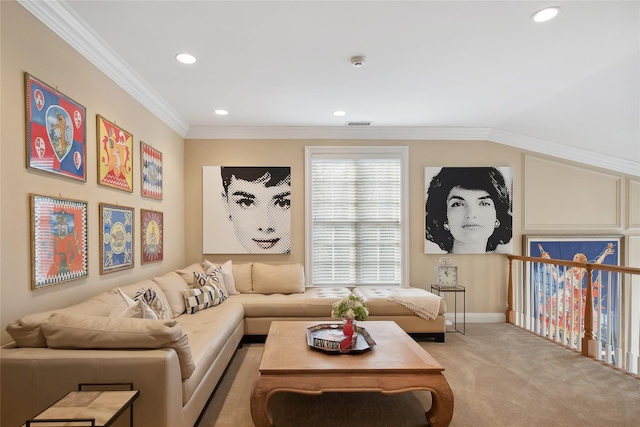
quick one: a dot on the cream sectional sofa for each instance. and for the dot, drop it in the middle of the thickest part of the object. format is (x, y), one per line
(175, 362)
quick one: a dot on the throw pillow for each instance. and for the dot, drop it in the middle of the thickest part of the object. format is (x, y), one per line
(278, 279)
(197, 299)
(214, 278)
(128, 307)
(139, 310)
(227, 275)
(150, 297)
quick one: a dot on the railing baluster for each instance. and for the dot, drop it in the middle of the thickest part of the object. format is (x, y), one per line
(590, 319)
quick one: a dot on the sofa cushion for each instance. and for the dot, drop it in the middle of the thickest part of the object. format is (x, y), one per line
(242, 277)
(280, 279)
(172, 286)
(317, 301)
(209, 332)
(201, 298)
(26, 331)
(74, 331)
(214, 278)
(227, 273)
(187, 272)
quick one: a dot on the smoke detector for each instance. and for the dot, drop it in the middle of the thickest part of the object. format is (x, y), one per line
(357, 61)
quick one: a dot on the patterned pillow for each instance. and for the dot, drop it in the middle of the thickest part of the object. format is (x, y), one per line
(213, 278)
(150, 297)
(197, 299)
(127, 307)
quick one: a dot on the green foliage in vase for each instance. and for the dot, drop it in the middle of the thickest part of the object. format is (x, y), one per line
(352, 307)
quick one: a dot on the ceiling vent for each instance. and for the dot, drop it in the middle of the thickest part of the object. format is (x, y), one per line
(358, 124)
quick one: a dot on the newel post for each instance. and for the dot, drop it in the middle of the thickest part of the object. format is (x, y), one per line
(589, 346)
(510, 314)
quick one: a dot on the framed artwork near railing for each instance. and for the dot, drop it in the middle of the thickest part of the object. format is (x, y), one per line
(115, 155)
(151, 171)
(56, 131)
(116, 238)
(58, 240)
(558, 293)
(152, 238)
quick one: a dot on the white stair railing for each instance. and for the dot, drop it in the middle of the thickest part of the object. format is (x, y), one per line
(551, 298)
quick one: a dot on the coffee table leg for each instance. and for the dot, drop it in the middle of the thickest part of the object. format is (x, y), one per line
(441, 411)
(259, 404)
(439, 415)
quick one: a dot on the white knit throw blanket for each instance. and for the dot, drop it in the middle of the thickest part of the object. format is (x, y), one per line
(421, 302)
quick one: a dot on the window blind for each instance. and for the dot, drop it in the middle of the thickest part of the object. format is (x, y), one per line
(356, 213)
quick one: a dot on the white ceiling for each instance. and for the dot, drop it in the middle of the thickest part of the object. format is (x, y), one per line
(434, 69)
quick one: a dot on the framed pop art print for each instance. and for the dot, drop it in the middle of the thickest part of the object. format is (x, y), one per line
(246, 210)
(151, 170)
(116, 238)
(58, 240)
(468, 210)
(115, 155)
(152, 236)
(56, 131)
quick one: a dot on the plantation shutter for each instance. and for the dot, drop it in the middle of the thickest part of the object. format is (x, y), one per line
(356, 235)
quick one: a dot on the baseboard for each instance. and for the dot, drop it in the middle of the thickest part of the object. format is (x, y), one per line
(478, 317)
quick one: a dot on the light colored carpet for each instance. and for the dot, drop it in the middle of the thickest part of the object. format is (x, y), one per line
(500, 376)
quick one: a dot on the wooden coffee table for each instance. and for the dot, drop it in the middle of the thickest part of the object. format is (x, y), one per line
(396, 364)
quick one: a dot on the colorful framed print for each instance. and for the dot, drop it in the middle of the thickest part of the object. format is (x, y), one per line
(562, 287)
(56, 131)
(151, 169)
(115, 155)
(152, 236)
(116, 238)
(58, 241)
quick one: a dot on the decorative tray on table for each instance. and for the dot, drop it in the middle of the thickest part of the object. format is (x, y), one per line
(328, 336)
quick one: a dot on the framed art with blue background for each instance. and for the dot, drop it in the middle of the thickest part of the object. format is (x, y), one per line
(559, 288)
(116, 238)
(56, 131)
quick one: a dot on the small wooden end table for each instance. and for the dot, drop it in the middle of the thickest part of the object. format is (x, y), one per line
(396, 364)
(99, 408)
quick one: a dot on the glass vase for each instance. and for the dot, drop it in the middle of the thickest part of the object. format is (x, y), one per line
(350, 328)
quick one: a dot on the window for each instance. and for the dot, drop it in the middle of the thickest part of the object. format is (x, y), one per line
(356, 208)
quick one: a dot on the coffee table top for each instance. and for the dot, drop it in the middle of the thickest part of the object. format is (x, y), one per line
(286, 351)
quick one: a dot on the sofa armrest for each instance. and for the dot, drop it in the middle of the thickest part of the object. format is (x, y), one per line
(35, 378)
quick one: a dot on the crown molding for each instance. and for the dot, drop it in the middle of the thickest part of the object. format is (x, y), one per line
(63, 21)
(565, 152)
(338, 132)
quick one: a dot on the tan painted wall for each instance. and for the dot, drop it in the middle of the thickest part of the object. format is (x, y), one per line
(600, 207)
(484, 276)
(28, 45)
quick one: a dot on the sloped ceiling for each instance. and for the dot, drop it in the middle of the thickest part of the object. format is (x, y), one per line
(451, 70)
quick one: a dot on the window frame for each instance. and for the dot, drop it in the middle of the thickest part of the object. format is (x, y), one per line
(339, 152)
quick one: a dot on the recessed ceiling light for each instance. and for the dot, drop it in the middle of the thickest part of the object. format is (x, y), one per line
(221, 112)
(185, 58)
(339, 113)
(545, 14)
